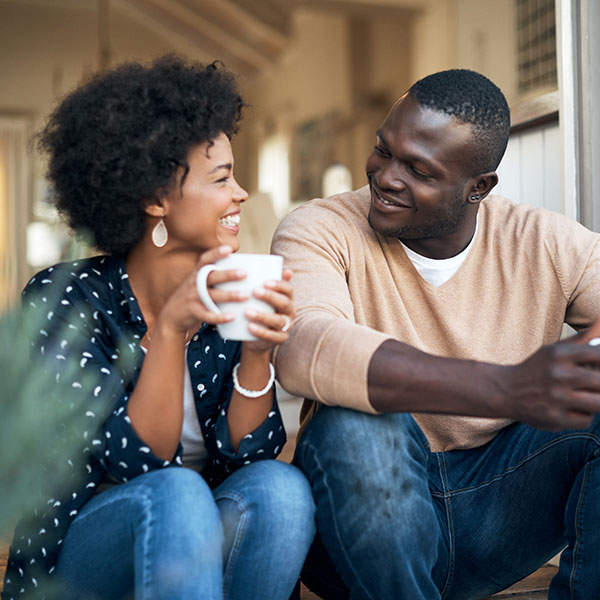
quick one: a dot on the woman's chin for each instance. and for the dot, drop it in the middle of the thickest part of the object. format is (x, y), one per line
(230, 240)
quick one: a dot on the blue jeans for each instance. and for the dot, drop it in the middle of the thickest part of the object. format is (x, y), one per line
(399, 521)
(166, 534)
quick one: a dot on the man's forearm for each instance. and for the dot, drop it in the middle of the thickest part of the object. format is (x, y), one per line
(404, 379)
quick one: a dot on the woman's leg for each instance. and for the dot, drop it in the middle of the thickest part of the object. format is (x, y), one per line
(267, 512)
(157, 534)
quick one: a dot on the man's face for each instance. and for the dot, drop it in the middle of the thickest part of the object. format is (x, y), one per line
(416, 173)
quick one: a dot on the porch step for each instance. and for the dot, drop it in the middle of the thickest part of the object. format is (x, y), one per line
(534, 587)
(3, 560)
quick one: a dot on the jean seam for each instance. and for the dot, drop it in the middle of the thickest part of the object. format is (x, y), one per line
(577, 543)
(523, 461)
(147, 572)
(335, 524)
(237, 540)
(448, 510)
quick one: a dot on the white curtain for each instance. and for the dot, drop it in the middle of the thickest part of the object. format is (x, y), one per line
(13, 208)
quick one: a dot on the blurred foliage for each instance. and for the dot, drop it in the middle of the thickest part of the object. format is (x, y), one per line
(32, 422)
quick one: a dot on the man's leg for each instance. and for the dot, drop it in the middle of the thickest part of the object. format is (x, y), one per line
(514, 503)
(375, 513)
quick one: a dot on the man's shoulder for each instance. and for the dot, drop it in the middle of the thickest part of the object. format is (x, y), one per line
(347, 210)
(505, 215)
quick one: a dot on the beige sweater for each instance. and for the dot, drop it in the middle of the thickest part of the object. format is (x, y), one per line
(528, 271)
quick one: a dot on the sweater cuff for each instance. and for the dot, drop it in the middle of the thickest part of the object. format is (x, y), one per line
(339, 363)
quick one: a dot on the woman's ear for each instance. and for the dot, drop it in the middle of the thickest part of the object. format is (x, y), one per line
(481, 186)
(156, 208)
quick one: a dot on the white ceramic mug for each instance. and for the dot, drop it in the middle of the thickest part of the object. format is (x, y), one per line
(260, 268)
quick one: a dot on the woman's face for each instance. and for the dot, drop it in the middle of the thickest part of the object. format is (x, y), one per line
(205, 211)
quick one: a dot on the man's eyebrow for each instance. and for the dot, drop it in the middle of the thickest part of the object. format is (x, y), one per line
(226, 166)
(381, 137)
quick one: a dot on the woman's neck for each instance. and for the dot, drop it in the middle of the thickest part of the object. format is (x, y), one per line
(154, 275)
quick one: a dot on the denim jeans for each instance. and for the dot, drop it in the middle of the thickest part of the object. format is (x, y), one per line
(399, 521)
(166, 534)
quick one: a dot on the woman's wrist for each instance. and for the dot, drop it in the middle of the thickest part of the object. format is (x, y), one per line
(253, 372)
(254, 358)
(253, 392)
(166, 332)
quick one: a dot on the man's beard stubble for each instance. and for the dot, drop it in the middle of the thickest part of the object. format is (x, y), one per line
(444, 221)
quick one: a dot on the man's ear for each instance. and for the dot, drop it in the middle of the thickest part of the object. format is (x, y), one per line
(479, 187)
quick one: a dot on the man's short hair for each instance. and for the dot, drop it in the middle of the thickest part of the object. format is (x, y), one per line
(474, 99)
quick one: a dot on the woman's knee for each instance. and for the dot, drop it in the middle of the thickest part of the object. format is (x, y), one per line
(288, 489)
(272, 492)
(179, 496)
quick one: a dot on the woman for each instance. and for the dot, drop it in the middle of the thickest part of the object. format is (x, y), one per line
(140, 159)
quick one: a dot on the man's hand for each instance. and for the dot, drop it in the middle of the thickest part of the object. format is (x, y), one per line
(558, 387)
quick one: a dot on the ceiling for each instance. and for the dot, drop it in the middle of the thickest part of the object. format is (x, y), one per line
(248, 35)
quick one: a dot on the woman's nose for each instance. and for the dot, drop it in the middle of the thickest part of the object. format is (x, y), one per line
(239, 193)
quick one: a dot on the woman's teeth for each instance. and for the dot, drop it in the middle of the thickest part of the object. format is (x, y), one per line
(230, 220)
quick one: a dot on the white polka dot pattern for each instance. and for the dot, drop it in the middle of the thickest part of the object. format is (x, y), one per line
(93, 300)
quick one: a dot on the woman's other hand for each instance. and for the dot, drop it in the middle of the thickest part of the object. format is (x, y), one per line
(272, 328)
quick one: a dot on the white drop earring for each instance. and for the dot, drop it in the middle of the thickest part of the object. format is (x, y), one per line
(160, 235)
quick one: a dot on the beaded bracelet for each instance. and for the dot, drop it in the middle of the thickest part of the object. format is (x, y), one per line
(253, 393)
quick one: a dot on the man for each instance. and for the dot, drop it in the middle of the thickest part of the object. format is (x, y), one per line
(457, 443)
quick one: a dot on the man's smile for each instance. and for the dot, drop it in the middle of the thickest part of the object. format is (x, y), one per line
(386, 201)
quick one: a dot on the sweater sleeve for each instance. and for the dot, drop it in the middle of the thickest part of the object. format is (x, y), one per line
(328, 354)
(575, 253)
(584, 303)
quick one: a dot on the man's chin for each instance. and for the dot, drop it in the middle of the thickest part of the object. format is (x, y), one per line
(382, 225)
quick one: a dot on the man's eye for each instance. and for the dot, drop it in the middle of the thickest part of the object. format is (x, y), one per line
(418, 173)
(381, 151)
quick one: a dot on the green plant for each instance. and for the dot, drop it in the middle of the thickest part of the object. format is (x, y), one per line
(39, 422)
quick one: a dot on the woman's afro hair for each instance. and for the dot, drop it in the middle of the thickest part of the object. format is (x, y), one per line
(116, 142)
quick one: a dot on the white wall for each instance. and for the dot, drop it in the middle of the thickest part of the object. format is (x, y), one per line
(530, 172)
(487, 41)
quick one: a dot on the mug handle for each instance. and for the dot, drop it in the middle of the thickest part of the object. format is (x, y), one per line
(201, 277)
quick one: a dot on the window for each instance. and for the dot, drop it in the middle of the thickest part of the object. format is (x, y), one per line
(536, 39)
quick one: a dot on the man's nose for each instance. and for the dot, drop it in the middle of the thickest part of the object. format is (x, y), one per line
(391, 176)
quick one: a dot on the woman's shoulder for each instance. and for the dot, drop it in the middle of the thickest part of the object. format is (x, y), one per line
(96, 275)
(80, 291)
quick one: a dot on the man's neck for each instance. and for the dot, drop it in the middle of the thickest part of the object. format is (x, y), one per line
(447, 246)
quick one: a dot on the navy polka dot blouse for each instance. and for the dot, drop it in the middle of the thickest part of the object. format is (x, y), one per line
(89, 340)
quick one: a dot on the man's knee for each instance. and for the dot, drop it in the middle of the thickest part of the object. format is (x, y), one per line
(360, 441)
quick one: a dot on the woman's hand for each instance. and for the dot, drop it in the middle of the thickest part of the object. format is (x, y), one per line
(272, 328)
(246, 414)
(184, 311)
